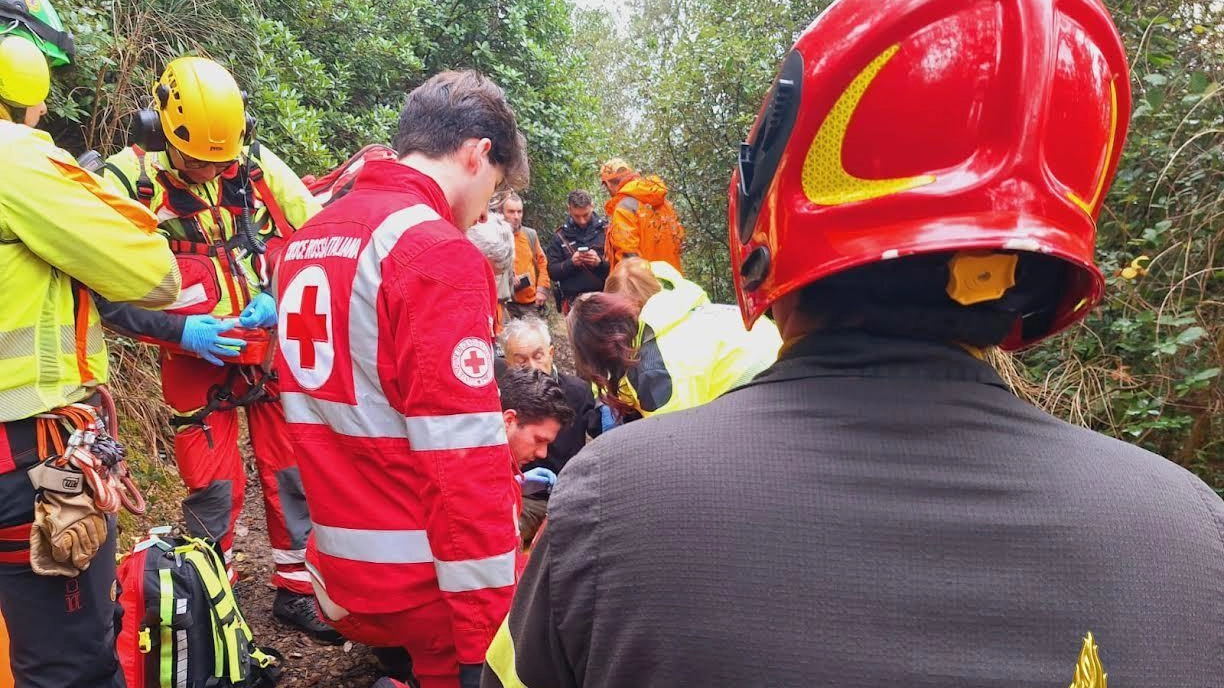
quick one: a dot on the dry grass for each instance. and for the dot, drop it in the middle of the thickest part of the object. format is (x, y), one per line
(144, 428)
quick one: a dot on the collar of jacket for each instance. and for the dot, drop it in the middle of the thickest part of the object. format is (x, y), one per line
(394, 177)
(858, 354)
(571, 231)
(668, 308)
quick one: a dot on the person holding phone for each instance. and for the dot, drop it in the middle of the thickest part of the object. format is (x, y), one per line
(576, 260)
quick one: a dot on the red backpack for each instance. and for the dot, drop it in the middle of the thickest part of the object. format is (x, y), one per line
(338, 182)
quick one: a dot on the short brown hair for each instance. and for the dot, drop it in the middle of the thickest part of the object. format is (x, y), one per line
(455, 106)
(579, 199)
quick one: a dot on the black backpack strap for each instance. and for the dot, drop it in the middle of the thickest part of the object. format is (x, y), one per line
(11, 11)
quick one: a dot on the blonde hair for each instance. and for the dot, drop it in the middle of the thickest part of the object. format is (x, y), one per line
(633, 279)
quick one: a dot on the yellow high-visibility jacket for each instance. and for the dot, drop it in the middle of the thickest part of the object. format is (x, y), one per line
(63, 232)
(691, 351)
(204, 214)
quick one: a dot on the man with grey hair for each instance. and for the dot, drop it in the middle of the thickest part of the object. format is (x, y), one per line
(495, 239)
(531, 282)
(528, 344)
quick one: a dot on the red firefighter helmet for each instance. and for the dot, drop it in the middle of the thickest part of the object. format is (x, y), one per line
(934, 126)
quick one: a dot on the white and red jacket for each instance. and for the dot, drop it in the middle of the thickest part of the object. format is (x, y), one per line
(386, 369)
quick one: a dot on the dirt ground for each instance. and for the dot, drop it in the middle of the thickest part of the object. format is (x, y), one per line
(307, 663)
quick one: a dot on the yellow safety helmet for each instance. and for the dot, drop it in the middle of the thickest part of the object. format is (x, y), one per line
(25, 78)
(201, 108)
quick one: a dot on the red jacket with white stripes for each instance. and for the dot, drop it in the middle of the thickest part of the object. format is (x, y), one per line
(386, 369)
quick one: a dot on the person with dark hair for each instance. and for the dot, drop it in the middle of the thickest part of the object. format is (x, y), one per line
(576, 260)
(879, 509)
(528, 344)
(665, 347)
(535, 409)
(386, 367)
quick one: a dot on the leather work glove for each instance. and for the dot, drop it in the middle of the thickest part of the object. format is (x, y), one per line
(68, 531)
(260, 312)
(202, 337)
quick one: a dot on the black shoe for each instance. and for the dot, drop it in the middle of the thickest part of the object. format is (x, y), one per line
(300, 612)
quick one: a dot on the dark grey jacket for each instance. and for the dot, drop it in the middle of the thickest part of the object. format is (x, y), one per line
(871, 513)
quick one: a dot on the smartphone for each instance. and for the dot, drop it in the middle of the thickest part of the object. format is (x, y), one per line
(583, 249)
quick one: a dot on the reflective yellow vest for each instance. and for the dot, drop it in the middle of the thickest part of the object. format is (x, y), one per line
(205, 215)
(64, 231)
(691, 351)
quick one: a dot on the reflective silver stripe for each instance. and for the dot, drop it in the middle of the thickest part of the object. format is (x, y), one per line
(165, 292)
(460, 431)
(375, 418)
(476, 574)
(93, 339)
(374, 546)
(364, 335)
(372, 415)
(378, 419)
(288, 556)
(17, 343)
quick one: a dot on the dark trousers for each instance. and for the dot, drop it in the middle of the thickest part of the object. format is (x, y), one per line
(61, 630)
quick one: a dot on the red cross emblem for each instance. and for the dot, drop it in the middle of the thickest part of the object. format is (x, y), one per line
(307, 326)
(307, 342)
(471, 362)
(475, 363)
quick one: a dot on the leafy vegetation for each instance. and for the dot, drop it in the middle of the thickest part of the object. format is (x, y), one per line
(673, 85)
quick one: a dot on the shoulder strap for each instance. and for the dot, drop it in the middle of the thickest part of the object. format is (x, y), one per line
(534, 239)
(144, 185)
(118, 175)
(255, 174)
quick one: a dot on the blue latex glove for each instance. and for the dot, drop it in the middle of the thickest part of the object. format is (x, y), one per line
(202, 336)
(260, 312)
(537, 480)
(607, 420)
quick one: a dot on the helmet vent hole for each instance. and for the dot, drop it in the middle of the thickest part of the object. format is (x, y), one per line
(182, 132)
(755, 268)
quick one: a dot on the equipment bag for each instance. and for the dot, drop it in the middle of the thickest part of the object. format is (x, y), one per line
(181, 624)
(335, 184)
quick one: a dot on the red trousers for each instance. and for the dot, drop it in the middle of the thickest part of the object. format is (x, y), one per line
(424, 632)
(210, 464)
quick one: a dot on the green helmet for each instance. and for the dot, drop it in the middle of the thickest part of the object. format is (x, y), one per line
(38, 21)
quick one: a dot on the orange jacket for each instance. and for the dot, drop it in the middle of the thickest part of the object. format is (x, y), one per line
(529, 260)
(643, 223)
